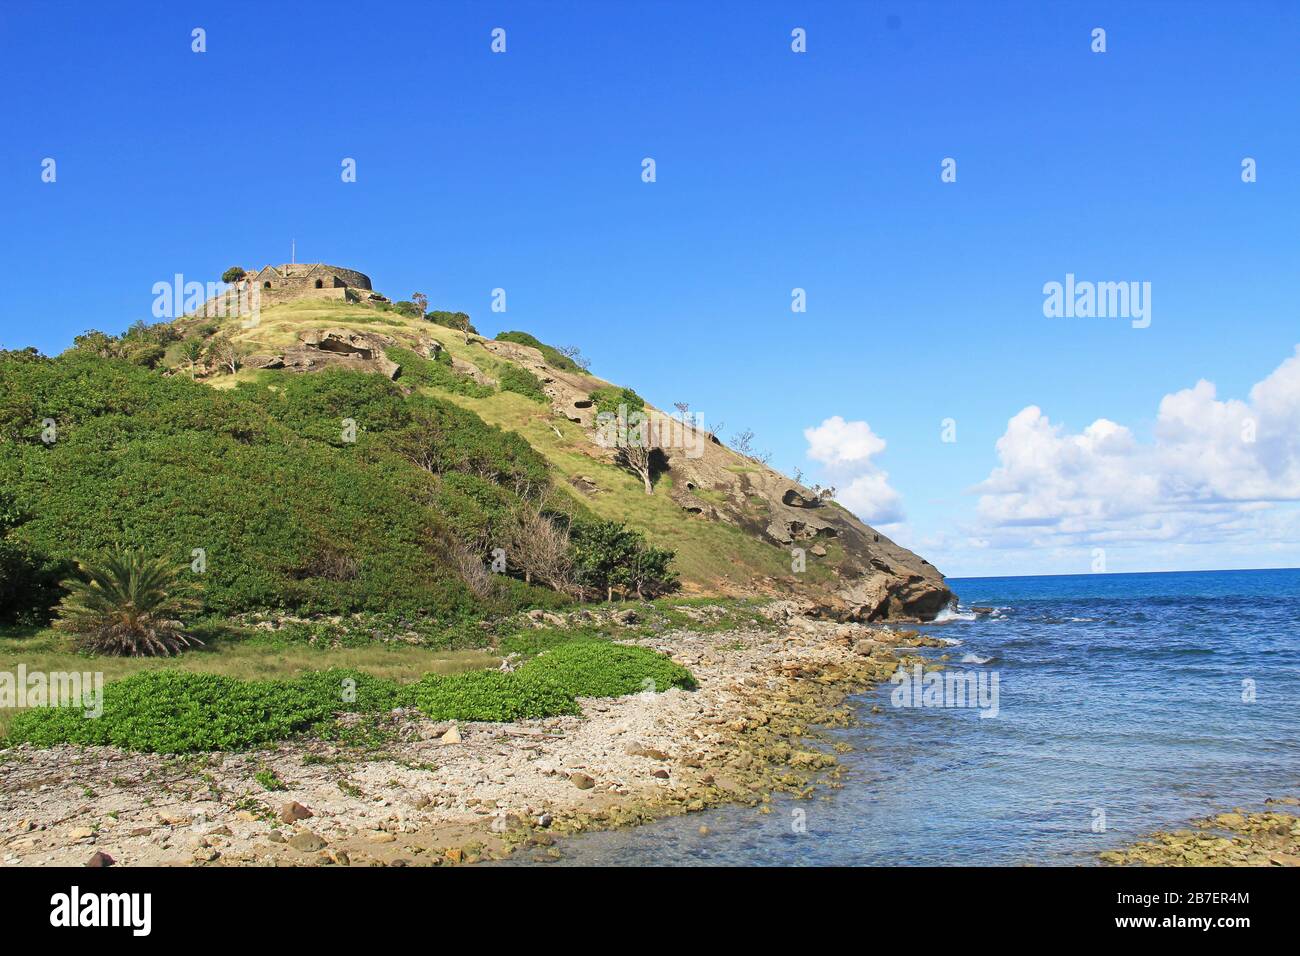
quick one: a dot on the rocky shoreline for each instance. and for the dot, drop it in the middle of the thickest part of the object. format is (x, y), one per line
(438, 794)
(1267, 838)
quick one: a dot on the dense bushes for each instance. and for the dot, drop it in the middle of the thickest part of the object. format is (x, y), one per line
(610, 556)
(286, 511)
(29, 584)
(600, 669)
(141, 344)
(326, 493)
(439, 373)
(610, 398)
(520, 380)
(552, 356)
(489, 695)
(178, 712)
(451, 320)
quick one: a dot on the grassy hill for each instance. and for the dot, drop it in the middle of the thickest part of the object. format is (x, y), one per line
(337, 457)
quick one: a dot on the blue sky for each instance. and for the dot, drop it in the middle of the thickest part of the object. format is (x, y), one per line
(775, 170)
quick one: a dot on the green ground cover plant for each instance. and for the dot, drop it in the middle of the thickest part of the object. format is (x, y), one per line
(170, 711)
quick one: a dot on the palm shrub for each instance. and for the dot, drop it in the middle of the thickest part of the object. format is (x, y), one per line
(129, 605)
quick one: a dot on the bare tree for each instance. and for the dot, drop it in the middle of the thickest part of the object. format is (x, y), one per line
(222, 351)
(743, 442)
(472, 570)
(540, 548)
(637, 458)
(683, 408)
(575, 353)
(422, 301)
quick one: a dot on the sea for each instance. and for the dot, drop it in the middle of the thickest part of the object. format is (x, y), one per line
(1125, 703)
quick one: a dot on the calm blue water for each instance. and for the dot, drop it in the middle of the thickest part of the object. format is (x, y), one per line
(1119, 694)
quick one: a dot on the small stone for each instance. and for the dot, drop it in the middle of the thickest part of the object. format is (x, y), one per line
(100, 859)
(340, 857)
(545, 820)
(141, 831)
(294, 811)
(455, 855)
(205, 855)
(661, 773)
(582, 781)
(275, 836)
(307, 842)
(452, 736)
(382, 837)
(80, 833)
(704, 831)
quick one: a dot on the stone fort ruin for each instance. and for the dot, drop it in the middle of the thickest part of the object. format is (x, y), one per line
(309, 280)
(271, 285)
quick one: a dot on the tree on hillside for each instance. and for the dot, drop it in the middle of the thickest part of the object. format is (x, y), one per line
(540, 547)
(609, 555)
(574, 354)
(743, 442)
(192, 351)
(221, 351)
(683, 408)
(233, 274)
(421, 302)
(638, 459)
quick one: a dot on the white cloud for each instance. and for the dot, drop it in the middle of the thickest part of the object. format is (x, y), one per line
(1213, 472)
(845, 450)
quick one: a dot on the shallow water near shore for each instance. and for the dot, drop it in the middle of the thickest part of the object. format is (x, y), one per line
(1120, 711)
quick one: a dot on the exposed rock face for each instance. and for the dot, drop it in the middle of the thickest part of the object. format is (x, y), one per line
(873, 578)
(332, 348)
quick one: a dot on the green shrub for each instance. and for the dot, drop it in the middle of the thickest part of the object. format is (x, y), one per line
(608, 555)
(488, 695)
(289, 514)
(437, 373)
(169, 711)
(532, 641)
(451, 320)
(177, 712)
(602, 669)
(552, 356)
(520, 380)
(609, 398)
(29, 584)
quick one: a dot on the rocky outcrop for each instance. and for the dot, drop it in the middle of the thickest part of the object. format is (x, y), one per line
(871, 577)
(332, 348)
